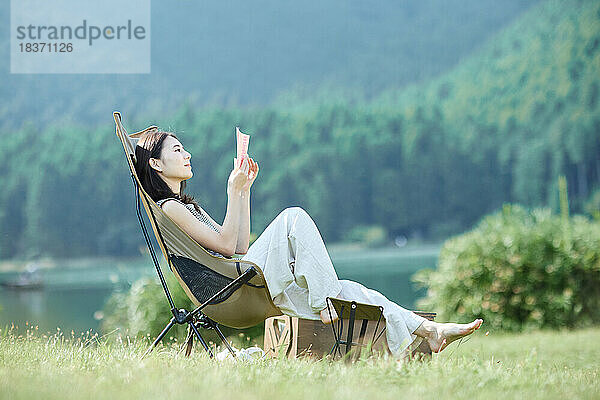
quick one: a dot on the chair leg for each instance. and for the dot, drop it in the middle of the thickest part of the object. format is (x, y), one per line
(160, 336)
(336, 349)
(215, 326)
(189, 340)
(350, 327)
(193, 331)
(201, 339)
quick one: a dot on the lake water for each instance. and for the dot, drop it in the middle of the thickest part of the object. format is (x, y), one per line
(72, 295)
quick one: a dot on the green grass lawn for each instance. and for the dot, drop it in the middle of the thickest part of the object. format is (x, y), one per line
(537, 365)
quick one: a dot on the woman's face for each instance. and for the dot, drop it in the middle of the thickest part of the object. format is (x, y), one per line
(174, 162)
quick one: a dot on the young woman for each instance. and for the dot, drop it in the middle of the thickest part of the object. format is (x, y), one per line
(290, 252)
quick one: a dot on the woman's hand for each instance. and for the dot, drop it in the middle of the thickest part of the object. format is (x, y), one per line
(253, 173)
(238, 178)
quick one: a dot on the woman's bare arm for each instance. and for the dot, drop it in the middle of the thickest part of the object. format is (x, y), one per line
(209, 218)
(243, 239)
(225, 241)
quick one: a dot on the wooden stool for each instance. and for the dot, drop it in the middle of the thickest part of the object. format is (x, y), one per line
(295, 337)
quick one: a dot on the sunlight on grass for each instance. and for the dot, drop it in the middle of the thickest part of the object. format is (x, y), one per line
(533, 365)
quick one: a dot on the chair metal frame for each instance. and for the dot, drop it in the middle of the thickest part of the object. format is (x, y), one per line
(352, 310)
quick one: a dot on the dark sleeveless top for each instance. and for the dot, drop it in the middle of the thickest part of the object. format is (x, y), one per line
(200, 216)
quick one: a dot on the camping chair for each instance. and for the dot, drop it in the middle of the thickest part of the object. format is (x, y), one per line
(359, 313)
(231, 292)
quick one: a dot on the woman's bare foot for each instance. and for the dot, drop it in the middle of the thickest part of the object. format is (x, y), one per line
(326, 318)
(441, 335)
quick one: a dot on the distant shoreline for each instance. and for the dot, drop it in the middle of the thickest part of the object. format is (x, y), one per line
(340, 250)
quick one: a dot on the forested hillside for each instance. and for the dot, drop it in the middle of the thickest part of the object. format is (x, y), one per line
(530, 97)
(428, 160)
(240, 53)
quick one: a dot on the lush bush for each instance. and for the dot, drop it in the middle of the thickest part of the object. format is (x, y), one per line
(519, 269)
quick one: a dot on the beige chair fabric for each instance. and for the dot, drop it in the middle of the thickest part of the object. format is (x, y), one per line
(249, 305)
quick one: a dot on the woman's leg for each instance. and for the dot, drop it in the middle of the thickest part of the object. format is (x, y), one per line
(440, 335)
(297, 268)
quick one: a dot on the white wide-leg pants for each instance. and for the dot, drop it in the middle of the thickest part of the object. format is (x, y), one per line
(300, 276)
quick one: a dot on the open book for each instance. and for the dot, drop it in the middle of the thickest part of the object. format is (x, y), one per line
(242, 141)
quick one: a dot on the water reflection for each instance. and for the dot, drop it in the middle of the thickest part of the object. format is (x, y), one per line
(69, 309)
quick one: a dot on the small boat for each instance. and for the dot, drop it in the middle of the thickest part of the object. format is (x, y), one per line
(29, 279)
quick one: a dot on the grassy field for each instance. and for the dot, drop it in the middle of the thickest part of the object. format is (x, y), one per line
(537, 365)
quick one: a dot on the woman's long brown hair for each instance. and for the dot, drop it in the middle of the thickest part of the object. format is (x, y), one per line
(152, 183)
